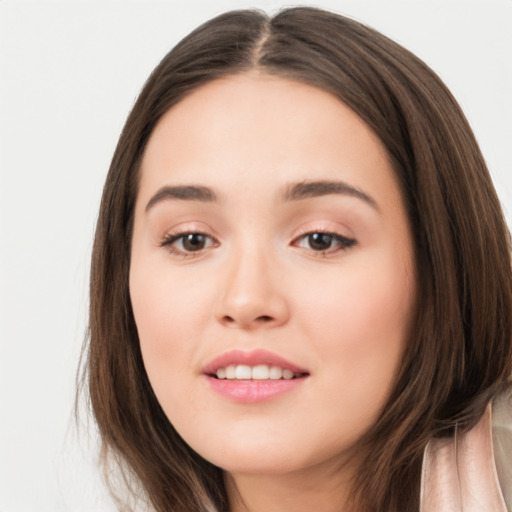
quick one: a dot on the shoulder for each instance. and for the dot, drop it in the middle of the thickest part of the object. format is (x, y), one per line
(472, 471)
(502, 443)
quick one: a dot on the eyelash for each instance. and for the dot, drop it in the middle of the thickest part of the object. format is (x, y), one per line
(170, 239)
(343, 242)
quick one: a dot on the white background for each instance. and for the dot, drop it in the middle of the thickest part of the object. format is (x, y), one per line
(69, 74)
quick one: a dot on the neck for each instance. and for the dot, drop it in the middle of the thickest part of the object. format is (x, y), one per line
(324, 488)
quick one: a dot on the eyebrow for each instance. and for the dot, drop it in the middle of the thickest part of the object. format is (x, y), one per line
(294, 192)
(183, 192)
(307, 189)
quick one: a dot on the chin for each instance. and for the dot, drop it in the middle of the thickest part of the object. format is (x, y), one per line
(266, 456)
(256, 463)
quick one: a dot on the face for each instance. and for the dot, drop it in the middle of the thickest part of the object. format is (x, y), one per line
(272, 277)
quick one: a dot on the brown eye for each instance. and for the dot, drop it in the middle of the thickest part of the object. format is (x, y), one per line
(320, 241)
(193, 242)
(188, 244)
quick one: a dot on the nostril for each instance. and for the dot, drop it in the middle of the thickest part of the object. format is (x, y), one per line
(262, 319)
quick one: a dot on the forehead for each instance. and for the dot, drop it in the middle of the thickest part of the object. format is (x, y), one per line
(250, 130)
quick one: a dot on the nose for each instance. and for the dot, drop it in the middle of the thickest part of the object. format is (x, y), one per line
(252, 296)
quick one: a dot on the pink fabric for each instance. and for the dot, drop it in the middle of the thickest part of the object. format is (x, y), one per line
(459, 473)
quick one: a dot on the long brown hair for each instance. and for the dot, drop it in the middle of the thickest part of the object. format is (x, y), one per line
(459, 355)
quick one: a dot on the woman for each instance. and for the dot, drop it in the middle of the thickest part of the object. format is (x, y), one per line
(301, 280)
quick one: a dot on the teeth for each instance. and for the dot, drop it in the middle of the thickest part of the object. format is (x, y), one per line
(275, 372)
(259, 372)
(243, 372)
(230, 372)
(287, 374)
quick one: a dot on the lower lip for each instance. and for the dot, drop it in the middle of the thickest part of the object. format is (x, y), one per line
(252, 391)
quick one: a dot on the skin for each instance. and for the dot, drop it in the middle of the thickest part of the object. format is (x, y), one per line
(259, 283)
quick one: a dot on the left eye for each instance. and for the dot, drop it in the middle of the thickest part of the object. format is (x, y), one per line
(323, 242)
(188, 242)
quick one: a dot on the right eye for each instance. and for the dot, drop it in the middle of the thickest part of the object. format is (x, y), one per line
(324, 243)
(188, 244)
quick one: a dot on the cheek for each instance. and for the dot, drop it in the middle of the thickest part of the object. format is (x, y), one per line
(358, 321)
(360, 302)
(169, 313)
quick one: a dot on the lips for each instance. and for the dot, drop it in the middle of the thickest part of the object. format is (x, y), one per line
(255, 358)
(256, 376)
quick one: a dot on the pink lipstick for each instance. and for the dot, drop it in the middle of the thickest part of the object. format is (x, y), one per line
(254, 376)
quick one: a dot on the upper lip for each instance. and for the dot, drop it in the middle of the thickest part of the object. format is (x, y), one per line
(250, 358)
